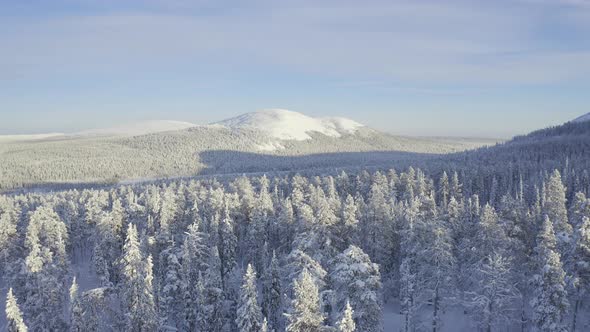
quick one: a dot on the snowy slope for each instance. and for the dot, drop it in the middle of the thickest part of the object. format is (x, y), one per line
(33, 137)
(138, 128)
(288, 125)
(583, 118)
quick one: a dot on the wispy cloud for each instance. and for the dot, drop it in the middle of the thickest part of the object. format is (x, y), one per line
(458, 42)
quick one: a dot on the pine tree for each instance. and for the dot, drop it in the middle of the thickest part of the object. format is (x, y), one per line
(549, 301)
(13, 315)
(346, 323)
(305, 314)
(249, 315)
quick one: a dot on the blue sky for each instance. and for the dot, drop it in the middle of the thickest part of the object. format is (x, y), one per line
(461, 68)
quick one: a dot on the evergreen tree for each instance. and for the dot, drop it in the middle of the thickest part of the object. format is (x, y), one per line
(249, 315)
(555, 206)
(227, 246)
(14, 316)
(77, 323)
(305, 314)
(213, 296)
(549, 302)
(581, 266)
(137, 287)
(407, 293)
(357, 279)
(272, 294)
(495, 292)
(46, 268)
(444, 190)
(346, 323)
(171, 291)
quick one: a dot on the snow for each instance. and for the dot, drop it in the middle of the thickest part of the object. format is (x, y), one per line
(453, 319)
(288, 125)
(33, 137)
(583, 118)
(138, 128)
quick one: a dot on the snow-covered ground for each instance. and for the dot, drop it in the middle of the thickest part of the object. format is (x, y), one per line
(454, 320)
(33, 137)
(288, 125)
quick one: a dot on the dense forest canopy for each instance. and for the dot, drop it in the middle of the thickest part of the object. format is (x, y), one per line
(503, 233)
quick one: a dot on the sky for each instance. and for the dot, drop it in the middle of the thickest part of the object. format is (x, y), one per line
(453, 68)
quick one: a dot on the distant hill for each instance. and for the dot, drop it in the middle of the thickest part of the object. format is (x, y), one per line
(261, 141)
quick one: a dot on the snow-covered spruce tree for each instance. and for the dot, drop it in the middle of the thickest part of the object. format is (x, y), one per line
(490, 237)
(444, 190)
(580, 208)
(171, 291)
(581, 266)
(249, 316)
(434, 262)
(272, 294)
(9, 237)
(549, 302)
(227, 246)
(14, 316)
(555, 207)
(77, 323)
(137, 287)
(213, 296)
(46, 267)
(346, 323)
(348, 226)
(107, 247)
(456, 189)
(297, 262)
(407, 289)
(194, 253)
(357, 279)
(377, 233)
(305, 313)
(495, 294)
(286, 225)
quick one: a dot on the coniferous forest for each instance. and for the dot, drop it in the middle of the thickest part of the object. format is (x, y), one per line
(498, 238)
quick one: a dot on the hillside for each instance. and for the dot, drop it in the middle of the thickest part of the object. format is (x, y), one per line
(228, 147)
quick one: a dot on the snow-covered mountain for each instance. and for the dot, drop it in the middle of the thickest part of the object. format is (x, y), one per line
(583, 118)
(138, 128)
(288, 125)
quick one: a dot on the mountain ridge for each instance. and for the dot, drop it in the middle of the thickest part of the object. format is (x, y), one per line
(289, 125)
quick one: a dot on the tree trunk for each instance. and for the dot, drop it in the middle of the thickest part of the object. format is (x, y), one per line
(576, 307)
(435, 312)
